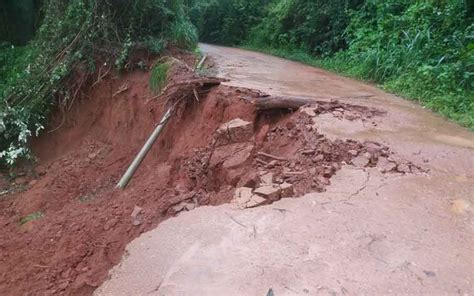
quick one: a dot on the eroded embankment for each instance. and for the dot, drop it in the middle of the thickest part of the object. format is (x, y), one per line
(218, 148)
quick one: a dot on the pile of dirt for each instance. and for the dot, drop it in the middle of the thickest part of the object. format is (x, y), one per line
(67, 225)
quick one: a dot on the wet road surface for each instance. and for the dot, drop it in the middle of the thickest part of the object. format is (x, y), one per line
(370, 233)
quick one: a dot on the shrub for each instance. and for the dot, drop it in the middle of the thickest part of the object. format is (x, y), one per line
(74, 32)
(401, 44)
(159, 75)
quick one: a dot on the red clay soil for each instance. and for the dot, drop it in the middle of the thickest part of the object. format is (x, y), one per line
(85, 223)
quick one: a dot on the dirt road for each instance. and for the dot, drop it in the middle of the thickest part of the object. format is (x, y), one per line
(369, 233)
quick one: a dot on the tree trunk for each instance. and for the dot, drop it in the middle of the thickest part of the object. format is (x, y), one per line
(281, 102)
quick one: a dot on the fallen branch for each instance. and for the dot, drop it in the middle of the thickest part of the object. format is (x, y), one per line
(120, 90)
(181, 63)
(187, 86)
(201, 81)
(281, 102)
(196, 95)
(262, 162)
(60, 125)
(269, 102)
(101, 75)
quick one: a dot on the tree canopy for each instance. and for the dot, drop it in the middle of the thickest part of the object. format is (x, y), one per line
(400, 44)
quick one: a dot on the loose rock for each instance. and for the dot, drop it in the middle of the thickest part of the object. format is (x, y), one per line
(270, 192)
(234, 131)
(385, 165)
(189, 206)
(255, 201)
(136, 216)
(404, 168)
(244, 198)
(287, 190)
(243, 195)
(323, 180)
(353, 152)
(110, 223)
(267, 178)
(231, 156)
(318, 158)
(361, 161)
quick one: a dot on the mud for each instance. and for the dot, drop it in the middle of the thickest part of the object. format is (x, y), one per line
(369, 233)
(80, 224)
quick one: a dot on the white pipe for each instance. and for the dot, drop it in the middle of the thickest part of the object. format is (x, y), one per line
(144, 151)
(201, 63)
(149, 143)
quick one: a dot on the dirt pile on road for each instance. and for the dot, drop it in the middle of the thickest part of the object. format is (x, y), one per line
(69, 225)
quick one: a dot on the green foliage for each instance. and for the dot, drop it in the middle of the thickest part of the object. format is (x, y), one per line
(159, 76)
(401, 44)
(317, 27)
(155, 45)
(31, 217)
(183, 34)
(124, 52)
(226, 21)
(406, 44)
(72, 34)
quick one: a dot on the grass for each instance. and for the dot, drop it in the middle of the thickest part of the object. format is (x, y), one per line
(453, 105)
(159, 76)
(35, 78)
(31, 217)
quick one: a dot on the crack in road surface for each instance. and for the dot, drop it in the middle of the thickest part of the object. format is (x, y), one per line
(323, 244)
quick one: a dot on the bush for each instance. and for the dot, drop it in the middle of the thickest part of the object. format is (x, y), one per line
(314, 26)
(72, 33)
(226, 21)
(401, 44)
(405, 44)
(159, 75)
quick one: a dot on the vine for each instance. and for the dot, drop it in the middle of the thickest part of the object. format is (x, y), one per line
(72, 35)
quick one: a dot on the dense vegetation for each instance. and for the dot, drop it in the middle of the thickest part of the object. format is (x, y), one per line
(421, 49)
(71, 34)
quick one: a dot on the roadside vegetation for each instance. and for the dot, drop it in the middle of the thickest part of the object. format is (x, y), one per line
(422, 50)
(60, 49)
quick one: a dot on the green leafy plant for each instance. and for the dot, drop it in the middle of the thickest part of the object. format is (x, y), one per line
(404, 44)
(155, 45)
(159, 75)
(400, 44)
(183, 34)
(36, 78)
(31, 217)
